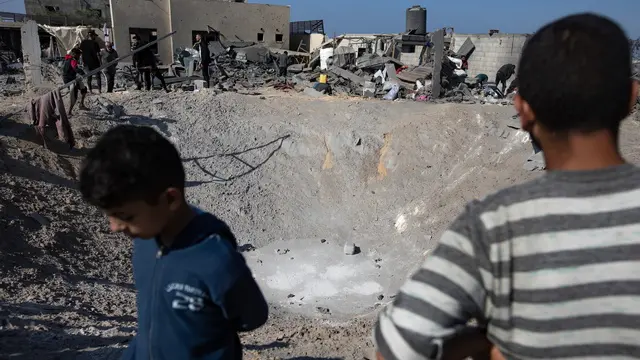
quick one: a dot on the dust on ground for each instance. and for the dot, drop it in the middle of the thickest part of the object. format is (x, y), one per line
(296, 178)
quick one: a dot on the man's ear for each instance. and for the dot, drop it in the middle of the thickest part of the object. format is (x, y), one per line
(527, 117)
(174, 198)
(634, 95)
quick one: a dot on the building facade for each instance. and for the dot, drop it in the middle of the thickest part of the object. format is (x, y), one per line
(234, 20)
(69, 12)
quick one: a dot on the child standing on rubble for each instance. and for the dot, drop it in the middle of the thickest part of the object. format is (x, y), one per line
(549, 268)
(194, 289)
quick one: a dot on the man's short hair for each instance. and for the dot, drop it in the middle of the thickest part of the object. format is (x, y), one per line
(130, 163)
(575, 74)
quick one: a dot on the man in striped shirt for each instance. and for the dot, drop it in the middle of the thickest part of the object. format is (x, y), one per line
(549, 269)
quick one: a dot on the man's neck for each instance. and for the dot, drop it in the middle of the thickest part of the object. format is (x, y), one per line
(583, 152)
(182, 218)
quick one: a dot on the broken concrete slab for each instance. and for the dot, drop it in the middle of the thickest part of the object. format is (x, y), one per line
(418, 73)
(391, 72)
(374, 62)
(295, 68)
(466, 49)
(348, 75)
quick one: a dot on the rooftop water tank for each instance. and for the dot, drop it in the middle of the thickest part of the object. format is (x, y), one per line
(417, 19)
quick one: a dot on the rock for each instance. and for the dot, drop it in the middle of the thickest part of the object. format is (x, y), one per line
(290, 296)
(323, 240)
(157, 101)
(349, 248)
(282, 251)
(323, 310)
(380, 297)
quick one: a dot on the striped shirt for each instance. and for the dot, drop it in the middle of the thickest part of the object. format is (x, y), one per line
(551, 269)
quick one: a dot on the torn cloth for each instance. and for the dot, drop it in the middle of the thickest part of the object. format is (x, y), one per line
(48, 110)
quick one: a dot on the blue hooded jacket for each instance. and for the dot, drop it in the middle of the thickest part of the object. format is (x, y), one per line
(194, 297)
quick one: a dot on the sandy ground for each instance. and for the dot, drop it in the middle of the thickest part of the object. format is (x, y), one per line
(296, 178)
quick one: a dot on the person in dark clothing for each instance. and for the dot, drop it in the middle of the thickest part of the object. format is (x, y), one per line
(146, 63)
(108, 56)
(91, 58)
(504, 74)
(202, 45)
(195, 292)
(513, 86)
(283, 62)
(70, 71)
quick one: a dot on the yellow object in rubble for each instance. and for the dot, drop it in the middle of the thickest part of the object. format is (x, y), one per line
(322, 79)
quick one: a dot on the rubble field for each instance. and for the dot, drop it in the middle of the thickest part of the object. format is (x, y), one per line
(334, 200)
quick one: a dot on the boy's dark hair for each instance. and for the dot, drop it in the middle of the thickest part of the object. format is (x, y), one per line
(130, 163)
(575, 74)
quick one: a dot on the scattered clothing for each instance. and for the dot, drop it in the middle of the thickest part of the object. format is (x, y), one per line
(48, 110)
(195, 296)
(532, 264)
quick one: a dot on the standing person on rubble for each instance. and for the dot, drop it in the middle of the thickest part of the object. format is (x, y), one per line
(202, 46)
(195, 292)
(146, 63)
(70, 71)
(283, 63)
(91, 58)
(548, 268)
(108, 56)
(504, 74)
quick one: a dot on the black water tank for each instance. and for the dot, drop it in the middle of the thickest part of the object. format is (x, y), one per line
(417, 19)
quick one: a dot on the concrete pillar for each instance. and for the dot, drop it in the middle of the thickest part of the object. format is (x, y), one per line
(32, 54)
(438, 45)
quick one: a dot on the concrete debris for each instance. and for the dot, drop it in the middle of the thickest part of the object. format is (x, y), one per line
(323, 310)
(350, 249)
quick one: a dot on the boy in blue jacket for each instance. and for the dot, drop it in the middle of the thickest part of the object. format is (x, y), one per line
(194, 289)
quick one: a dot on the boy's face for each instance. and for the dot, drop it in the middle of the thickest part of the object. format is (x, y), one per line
(141, 219)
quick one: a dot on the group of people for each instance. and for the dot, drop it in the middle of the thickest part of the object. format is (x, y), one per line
(547, 269)
(502, 76)
(93, 57)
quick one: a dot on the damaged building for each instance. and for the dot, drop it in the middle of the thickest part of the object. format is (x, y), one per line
(235, 21)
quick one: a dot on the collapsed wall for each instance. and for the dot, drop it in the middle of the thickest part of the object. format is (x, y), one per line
(491, 52)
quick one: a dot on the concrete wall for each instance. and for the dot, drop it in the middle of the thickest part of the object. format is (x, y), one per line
(76, 12)
(154, 14)
(311, 41)
(412, 59)
(230, 18)
(491, 51)
(233, 20)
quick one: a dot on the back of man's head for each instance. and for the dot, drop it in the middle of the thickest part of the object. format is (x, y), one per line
(575, 74)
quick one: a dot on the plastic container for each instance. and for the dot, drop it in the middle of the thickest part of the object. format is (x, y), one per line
(322, 79)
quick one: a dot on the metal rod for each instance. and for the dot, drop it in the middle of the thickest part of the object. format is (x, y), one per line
(95, 71)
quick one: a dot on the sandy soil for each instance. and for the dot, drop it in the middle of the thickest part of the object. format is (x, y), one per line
(295, 177)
